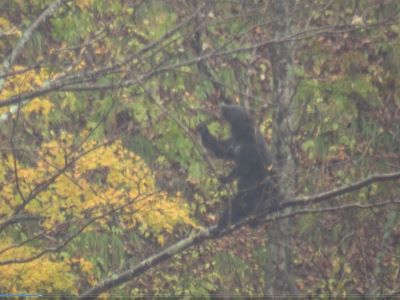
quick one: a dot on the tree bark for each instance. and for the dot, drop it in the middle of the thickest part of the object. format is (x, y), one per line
(279, 279)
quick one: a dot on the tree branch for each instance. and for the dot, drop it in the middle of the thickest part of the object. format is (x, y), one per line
(70, 82)
(73, 236)
(327, 209)
(148, 263)
(27, 36)
(214, 232)
(308, 200)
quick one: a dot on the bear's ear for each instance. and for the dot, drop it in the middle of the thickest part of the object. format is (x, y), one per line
(236, 114)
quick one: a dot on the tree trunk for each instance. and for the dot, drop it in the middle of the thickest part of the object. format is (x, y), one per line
(279, 276)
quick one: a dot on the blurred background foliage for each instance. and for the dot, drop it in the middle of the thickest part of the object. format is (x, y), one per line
(105, 168)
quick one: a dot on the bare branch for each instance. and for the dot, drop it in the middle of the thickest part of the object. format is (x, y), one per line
(148, 263)
(28, 34)
(71, 82)
(327, 209)
(14, 154)
(308, 200)
(214, 232)
(39, 63)
(77, 233)
(42, 186)
(24, 242)
(80, 77)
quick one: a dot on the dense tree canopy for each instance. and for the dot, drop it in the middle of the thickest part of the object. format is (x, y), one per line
(106, 189)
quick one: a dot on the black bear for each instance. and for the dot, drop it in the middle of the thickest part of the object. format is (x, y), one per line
(257, 188)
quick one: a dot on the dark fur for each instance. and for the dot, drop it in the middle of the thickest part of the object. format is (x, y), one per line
(256, 186)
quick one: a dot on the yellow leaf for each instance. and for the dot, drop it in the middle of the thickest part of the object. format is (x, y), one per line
(160, 239)
(4, 23)
(84, 4)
